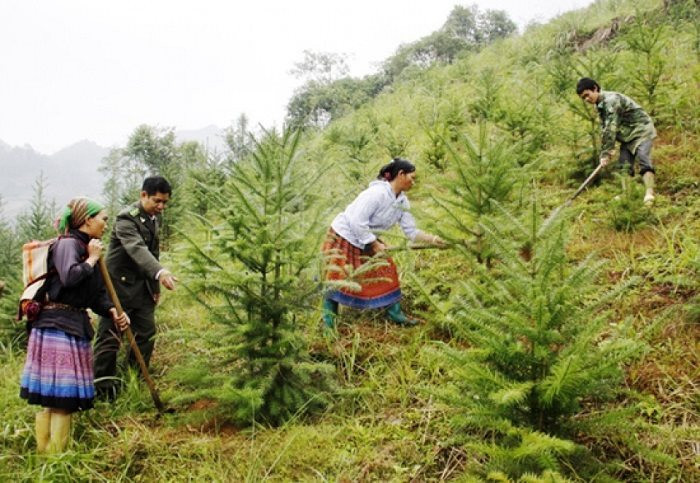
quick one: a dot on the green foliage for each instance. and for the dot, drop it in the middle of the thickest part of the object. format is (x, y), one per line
(484, 174)
(316, 103)
(36, 223)
(203, 172)
(151, 151)
(540, 344)
(627, 210)
(486, 98)
(648, 44)
(256, 266)
(355, 143)
(10, 279)
(465, 30)
(238, 140)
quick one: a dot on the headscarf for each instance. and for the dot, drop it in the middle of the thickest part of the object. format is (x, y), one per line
(76, 212)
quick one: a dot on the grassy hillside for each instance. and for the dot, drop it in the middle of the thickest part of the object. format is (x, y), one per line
(506, 116)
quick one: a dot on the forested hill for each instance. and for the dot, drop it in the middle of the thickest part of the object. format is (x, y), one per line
(550, 348)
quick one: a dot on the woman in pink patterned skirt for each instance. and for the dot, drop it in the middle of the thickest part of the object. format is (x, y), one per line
(352, 241)
(58, 373)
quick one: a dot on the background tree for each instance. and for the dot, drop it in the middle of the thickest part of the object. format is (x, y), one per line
(36, 223)
(10, 279)
(238, 140)
(316, 104)
(150, 151)
(465, 30)
(202, 172)
(321, 67)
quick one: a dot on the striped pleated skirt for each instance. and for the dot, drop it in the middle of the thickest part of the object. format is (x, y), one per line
(361, 281)
(58, 372)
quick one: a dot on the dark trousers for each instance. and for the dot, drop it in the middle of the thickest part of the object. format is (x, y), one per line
(109, 340)
(643, 156)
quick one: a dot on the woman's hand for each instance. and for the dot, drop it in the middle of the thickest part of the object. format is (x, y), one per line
(430, 239)
(377, 247)
(121, 321)
(95, 249)
(437, 241)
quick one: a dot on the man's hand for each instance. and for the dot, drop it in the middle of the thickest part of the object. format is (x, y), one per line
(167, 279)
(121, 321)
(604, 160)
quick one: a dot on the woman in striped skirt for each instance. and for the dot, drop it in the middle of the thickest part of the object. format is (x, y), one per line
(351, 243)
(58, 373)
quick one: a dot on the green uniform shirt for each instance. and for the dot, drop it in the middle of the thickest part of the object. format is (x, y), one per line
(622, 120)
(133, 254)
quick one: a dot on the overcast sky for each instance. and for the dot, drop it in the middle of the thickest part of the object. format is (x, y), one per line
(96, 69)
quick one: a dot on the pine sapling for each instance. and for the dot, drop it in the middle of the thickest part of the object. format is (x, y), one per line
(540, 344)
(256, 269)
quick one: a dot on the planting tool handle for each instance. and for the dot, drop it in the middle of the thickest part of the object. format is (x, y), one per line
(585, 183)
(426, 246)
(130, 335)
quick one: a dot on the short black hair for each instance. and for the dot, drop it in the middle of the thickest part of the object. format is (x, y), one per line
(586, 84)
(391, 170)
(156, 184)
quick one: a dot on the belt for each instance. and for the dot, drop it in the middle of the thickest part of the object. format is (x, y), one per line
(60, 306)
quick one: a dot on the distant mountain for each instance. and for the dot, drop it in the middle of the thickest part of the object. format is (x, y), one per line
(70, 172)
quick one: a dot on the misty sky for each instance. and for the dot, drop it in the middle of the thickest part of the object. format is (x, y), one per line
(96, 69)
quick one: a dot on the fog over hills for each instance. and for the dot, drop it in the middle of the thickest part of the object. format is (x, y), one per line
(210, 137)
(68, 172)
(72, 171)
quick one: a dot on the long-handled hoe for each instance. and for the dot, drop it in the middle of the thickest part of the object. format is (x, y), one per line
(132, 341)
(571, 198)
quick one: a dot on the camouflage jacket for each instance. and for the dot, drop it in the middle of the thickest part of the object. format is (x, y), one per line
(622, 120)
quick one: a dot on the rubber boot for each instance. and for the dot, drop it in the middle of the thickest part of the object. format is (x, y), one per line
(60, 432)
(329, 311)
(42, 426)
(648, 179)
(398, 317)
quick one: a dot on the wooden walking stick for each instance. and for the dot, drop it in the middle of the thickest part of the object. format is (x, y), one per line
(130, 335)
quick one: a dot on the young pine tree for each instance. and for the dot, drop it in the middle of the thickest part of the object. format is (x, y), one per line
(10, 280)
(256, 281)
(541, 344)
(36, 223)
(484, 174)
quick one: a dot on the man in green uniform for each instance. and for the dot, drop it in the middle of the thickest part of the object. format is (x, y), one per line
(623, 120)
(132, 261)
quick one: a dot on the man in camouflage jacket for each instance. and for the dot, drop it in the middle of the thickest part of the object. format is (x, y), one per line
(132, 261)
(623, 120)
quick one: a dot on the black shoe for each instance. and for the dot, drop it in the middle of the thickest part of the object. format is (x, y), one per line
(107, 393)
